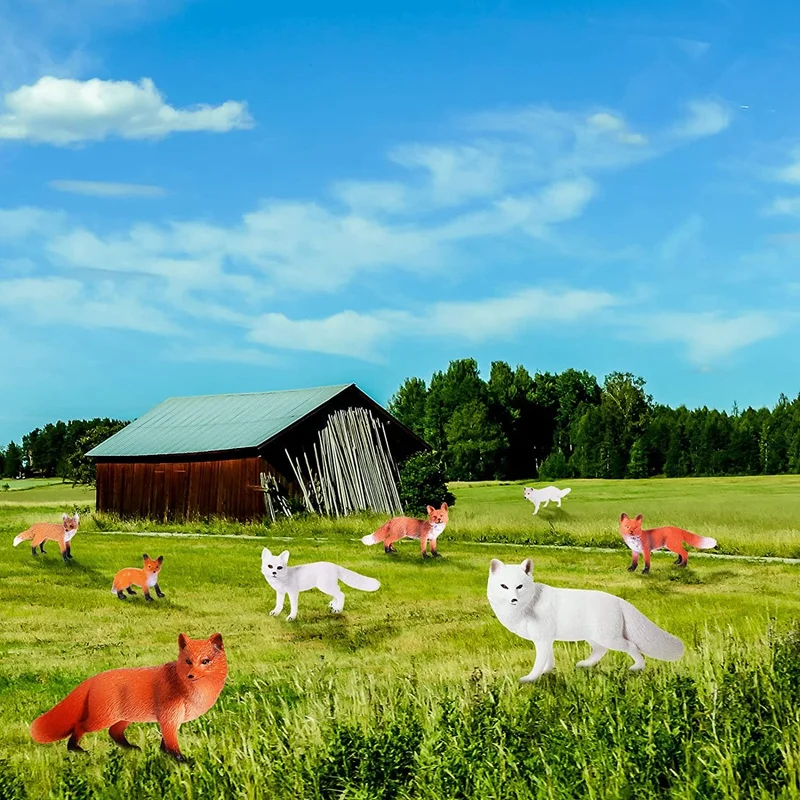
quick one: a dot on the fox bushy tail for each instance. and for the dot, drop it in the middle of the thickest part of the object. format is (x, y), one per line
(61, 719)
(378, 536)
(648, 637)
(356, 581)
(700, 542)
(24, 537)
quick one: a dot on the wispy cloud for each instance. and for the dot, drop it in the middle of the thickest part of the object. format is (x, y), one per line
(63, 111)
(704, 118)
(107, 189)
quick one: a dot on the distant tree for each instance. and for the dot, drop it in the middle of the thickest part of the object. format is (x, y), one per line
(423, 483)
(555, 467)
(408, 404)
(475, 443)
(12, 463)
(460, 384)
(637, 463)
(81, 469)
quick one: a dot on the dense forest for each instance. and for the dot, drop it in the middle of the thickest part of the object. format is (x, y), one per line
(515, 425)
(57, 450)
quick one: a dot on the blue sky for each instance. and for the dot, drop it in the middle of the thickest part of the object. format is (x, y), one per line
(201, 197)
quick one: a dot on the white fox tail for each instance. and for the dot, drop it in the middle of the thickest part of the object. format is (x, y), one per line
(564, 492)
(706, 543)
(648, 637)
(356, 581)
(23, 537)
(369, 539)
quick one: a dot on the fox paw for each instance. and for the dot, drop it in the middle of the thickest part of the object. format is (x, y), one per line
(291, 617)
(528, 679)
(436, 554)
(275, 612)
(632, 568)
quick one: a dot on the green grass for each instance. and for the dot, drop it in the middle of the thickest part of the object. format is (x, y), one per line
(412, 692)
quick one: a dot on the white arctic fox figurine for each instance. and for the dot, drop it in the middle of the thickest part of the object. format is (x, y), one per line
(321, 575)
(543, 615)
(538, 496)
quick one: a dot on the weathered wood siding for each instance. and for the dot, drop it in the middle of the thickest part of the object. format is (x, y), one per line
(177, 491)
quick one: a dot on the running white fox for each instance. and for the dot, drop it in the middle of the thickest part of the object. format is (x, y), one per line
(538, 496)
(543, 614)
(320, 575)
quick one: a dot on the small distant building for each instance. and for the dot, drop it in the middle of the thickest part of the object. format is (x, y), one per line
(333, 447)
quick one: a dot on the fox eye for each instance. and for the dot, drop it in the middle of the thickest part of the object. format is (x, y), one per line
(269, 566)
(205, 661)
(280, 567)
(189, 661)
(519, 587)
(503, 586)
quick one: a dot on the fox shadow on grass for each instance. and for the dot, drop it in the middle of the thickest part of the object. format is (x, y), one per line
(59, 571)
(667, 579)
(338, 632)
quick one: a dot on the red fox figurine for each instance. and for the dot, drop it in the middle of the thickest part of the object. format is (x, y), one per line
(41, 532)
(401, 527)
(170, 695)
(669, 537)
(146, 578)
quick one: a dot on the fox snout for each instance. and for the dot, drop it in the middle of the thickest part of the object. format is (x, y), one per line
(514, 601)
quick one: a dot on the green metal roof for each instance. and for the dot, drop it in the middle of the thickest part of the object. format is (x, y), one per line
(213, 423)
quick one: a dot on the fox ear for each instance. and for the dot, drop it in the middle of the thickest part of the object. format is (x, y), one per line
(443, 507)
(182, 641)
(76, 517)
(527, 565)
(640, 518)
(623, 517)
(265, 552)
(216, 640)
(284, 556)
(145, 556)
(430, 509)
(64, 517)
(495, 565)
(160, 559)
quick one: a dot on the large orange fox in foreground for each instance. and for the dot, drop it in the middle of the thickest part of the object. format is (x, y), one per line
(669, 537)
(42, 532)
(401, 527)
(171, 694)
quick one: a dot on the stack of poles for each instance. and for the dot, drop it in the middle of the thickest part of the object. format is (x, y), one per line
(273, 497)
(350, 468)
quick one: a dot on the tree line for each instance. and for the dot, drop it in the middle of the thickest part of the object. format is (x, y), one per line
(58, 450)
(560, 425)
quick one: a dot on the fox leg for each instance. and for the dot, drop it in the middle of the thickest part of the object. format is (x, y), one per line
(598, 651)
(33, 550)
(64, 552)
(120, 594)
(169, 737)
(627, 646)
(69, 550)
(388, 542)
(545, 662)
(423, 545)
(293, 596)
(146, 590)
(72, 744)
(41, 547)
(634, 561)
(117, 733)
(535, 508)
(646, 550)
(279, 598)
(159, 593)
(683, 555)
(337, 604)
(131, 590)
(434, 552)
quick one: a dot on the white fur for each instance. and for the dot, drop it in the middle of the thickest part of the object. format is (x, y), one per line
(18, 540)
(539, 496)
(544, 614)
(369, 539)
(321, 575)
(436, 529)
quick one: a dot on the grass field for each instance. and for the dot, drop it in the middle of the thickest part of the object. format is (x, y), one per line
(412, 691)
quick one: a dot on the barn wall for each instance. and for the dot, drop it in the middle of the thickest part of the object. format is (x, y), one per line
(177, 491)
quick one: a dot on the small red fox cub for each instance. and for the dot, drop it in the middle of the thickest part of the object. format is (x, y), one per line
(401, 527)
(170, 695)
(145, 578)
(42, 532)
(669, 537)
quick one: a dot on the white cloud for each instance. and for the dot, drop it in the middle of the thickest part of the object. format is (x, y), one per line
(784, 206)
(705, 118)
(17, 223)
(64, 303)
(712, 336)
(108, 189)
(223, 353)
(63, 111)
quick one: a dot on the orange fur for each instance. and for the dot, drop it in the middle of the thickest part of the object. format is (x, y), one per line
(146, 577)
(170, 695)
(669, 537)
(408, 527)
(41, 532)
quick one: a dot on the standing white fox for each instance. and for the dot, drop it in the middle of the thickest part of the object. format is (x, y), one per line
(320, 575)
(543, 614)
(538, 496)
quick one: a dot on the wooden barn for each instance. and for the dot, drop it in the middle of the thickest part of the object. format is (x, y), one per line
(245, 456)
